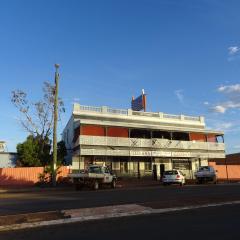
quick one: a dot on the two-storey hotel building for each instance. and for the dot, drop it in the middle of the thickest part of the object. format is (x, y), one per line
(137, 143)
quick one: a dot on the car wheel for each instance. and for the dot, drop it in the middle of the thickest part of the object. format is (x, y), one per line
(96, 185)
(113, 184)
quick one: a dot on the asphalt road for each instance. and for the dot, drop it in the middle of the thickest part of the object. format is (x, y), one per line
(206, 223)
(155, 197)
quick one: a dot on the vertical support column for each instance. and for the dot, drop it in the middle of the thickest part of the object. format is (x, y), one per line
(139, 174)
(206, 138)
(129, 146)
(171, 136)
(79, 163)
(106, 142)
(152, 165)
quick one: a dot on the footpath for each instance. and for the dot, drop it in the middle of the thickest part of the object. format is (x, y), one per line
(41, 219)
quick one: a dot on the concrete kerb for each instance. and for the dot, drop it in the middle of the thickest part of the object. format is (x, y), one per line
(101, 213)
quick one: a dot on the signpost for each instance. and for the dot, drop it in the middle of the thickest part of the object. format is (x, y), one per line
(139, 103)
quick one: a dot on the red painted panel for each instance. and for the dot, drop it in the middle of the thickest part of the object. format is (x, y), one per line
(211, 138)
(117, 132)
(92, 130)
(199, 137)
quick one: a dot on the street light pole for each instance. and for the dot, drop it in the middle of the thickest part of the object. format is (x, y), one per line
(54, 163)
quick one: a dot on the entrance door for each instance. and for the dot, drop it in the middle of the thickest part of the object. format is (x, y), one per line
(123, 167)
(162, 169)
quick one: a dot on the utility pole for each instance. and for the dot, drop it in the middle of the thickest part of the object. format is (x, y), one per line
(54, 163)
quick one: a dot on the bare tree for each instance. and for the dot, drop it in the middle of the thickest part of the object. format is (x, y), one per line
(37, 117)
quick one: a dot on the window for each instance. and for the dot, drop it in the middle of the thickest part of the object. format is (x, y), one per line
(106, 170)
(115, 165)
(161, 134)
(170, 172)
(148, 166)
(95, 169)
(181, 136)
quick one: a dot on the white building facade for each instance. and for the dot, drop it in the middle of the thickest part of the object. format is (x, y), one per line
(134, 143)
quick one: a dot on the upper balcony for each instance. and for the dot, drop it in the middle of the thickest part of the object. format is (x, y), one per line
(143, 117)
(154, 143)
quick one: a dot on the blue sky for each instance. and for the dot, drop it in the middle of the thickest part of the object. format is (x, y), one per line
(185, 54)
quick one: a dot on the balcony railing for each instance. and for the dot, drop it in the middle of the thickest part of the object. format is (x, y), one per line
(154, 143)
(106, 110)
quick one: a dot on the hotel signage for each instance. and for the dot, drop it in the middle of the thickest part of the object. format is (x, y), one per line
(160, 154)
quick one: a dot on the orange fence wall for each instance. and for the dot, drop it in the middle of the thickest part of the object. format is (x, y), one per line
(25, 175)
(233, 171)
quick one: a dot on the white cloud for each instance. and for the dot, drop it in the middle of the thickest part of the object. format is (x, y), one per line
(179, 94)
(229, 89)
(218, 109)
(76, 99)
(221, 125)
(226, 125)
(232, 94)
(206, 103)
(233, 50)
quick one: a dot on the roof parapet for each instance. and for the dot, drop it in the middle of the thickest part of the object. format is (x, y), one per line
(77, 108)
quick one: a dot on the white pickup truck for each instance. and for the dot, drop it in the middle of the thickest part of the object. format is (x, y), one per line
(95, 176)
(206, 174)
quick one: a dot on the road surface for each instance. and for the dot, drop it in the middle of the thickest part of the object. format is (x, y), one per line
(220, 223)
(155, 197)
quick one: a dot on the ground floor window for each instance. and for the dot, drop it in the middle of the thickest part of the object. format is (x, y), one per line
(123, 167)
(115, 165)
(148, 166)
(181, 164)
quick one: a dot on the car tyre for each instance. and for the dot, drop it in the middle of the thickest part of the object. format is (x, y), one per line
(113, 184)
(96, 185)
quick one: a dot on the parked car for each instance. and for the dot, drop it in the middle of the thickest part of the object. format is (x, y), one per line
(173, 177)
(95, 176)
(206, 174)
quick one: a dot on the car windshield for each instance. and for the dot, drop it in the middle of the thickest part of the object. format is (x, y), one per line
(206, 168)
(95, 170)
(173, 172)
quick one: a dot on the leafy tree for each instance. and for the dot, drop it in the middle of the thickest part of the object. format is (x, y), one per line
(61, 152)
(30, 153)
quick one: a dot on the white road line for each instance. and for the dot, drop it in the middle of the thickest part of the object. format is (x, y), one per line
(114, 214)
